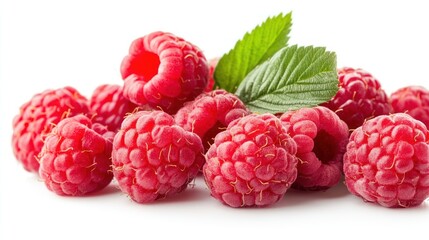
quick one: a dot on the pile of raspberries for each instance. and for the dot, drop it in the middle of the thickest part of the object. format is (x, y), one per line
(167, 124)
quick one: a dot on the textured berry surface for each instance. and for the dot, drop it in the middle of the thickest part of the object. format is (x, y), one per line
(212, 66)
(164, 71)
(251, 163)
(321, 138)
(36, 119)
(75, 159)
(387, 161)
(110, 106)
(360, 97)
(210, 113)
(413, 100)
(153, 157)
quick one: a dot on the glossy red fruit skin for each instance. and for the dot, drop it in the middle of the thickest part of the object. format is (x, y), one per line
(360, 97)
(164, 71)
(109, 106)
(412, 100)
(153, 158)
(38, 116)
(76, 157)
(387, 161)
(321, 138)
(211, 82)
(252, 163)
(210, 113)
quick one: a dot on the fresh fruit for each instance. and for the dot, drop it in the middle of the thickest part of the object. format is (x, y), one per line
(359, 98)
(321, 138)
(387, 161)
(251, 163)
(211, 82)
(153, 157)
(36, 119)
(75, 159)
(210, 113)
(413, 100)
(110, 106)
(164, 71)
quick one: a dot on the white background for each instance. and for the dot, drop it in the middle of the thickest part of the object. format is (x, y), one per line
(50, 44)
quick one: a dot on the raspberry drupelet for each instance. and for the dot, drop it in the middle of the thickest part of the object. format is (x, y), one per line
(154, 158)
(36, 119)
(210, 113)
(251, 163)
(359, 98)
(212, 66)
(110, 106)
(387, 161)
(412, 100)
(164, 71)
(76, 157)
(321, 138)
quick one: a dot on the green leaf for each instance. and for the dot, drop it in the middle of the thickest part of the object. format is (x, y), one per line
(255, 47)
(293, 78)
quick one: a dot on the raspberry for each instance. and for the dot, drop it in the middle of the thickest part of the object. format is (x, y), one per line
(36, 119)
(360, 97)
(154, 158)
(164, 71)
(210, 113)
(413, 100)
(75, 159)
(251, 163)
(212, 66)
(387, 161)
(110, 106)
(321, 138)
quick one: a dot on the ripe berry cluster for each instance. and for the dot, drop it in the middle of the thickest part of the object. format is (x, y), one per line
(166, 123)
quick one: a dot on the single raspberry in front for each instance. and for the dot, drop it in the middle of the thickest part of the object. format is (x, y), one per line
(153, 157)
(76, 159)
(412, 100)
(359, 98)
(36, 119)
(387, 161)
(210, 113)
(251, 163)
(110, 106)
(321, 138)
(164, 71)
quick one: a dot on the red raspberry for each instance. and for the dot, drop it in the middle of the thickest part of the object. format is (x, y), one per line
(251, 163)
(360, 97)
(321, 138)
(75, 159)
(110, 106)
(210, 113)
(36, 119)
(212, 66)
(387, 161)
(413, 100)
(153, 158)
(164, 71)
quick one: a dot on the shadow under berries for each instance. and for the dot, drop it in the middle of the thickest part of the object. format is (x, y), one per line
(296, 197)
